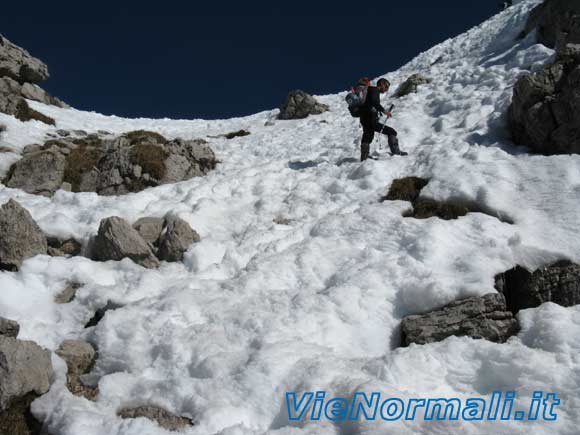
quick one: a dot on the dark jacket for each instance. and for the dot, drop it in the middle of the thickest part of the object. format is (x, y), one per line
(372, 105)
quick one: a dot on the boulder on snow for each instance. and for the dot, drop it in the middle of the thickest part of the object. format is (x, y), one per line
(176, 239)
(9, 328)
(20, 236)
(410, 85)
(67, 294)
(117, 239)
(162, 417)
(557, 22)
(299, 105)
(39, 172)
(479, 317)
(544, 112)
(25, 374)
(79, 357)
(558, 283)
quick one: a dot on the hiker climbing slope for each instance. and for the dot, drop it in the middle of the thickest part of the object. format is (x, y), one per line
(369, 119)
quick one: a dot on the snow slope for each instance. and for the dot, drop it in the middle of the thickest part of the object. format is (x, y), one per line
(258, 309)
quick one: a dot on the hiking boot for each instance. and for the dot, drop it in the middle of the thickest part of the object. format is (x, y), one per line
(364, 151)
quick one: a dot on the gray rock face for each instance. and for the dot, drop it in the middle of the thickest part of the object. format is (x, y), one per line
(479, 317)
(19, 65)
(545, 114)
(299, 105)
(39, 173)
(150, 229)
(20, 236)
(558, 283)
(117, 239)
(9, 328)
(557, 22)
(410, 85)
(164, 418)
(176, 240)
(25, 368)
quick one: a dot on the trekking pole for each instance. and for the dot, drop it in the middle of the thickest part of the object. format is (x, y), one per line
(382, 129)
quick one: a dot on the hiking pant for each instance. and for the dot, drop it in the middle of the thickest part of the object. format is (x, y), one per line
(371, 125)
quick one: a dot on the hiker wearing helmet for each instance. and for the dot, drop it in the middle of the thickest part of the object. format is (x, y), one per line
(369, 119)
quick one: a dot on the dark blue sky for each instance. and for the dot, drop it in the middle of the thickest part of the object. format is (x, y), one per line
(220, 59)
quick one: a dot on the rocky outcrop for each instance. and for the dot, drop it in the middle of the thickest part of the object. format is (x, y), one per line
(20, 236)
(544, 113)
(480, 317)
(19, 65)
(117, 239)
(299, 105)
(25, 374)
(79, 357)
(19, 75)
(410, 85)
(9, 328)
(129, 163)
(558, 283)
(162, 417)
(557, 22)
(177, 237)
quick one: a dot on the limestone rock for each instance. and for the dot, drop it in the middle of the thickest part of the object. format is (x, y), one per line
(78, 355)
(25, 368)
(557, 22)
(479, 317)
(19, 65)
(558, 283)
(41, 172)
(20, 236)
(117, 239)
(544, 113)
(150, 229)
(299, 105)
(176, 239)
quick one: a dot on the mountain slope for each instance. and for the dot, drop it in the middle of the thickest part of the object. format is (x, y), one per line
(258, 309)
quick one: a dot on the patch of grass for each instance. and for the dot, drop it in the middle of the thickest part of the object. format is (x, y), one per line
(405, 189)
(80, 161)
(25, 113)
(151, 158)
(143, 136)
(427, 208)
